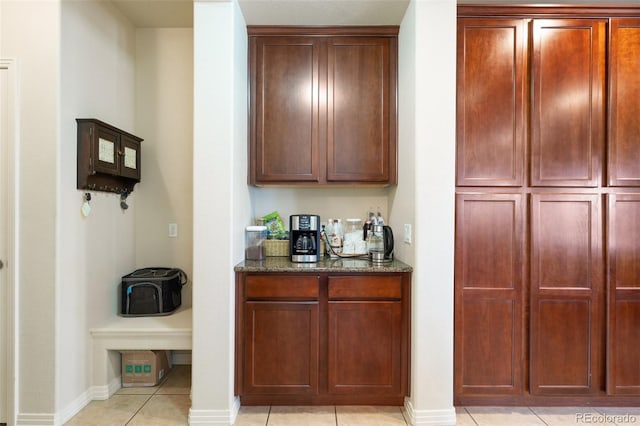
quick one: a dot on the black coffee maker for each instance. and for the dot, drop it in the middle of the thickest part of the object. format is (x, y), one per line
(304, 230)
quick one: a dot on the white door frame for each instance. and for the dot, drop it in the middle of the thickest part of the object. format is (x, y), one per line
(10, 258)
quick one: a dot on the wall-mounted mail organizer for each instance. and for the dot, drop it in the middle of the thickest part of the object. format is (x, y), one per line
(108, 158)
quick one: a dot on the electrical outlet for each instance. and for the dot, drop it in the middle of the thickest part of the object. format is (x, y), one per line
(173, 230)
(407, 233)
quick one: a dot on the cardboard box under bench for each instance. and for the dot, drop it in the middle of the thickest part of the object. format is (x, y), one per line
(144, 368)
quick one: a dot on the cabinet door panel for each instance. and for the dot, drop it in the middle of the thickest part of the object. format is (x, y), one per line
(285, 131)
(568, 102)
(361, 96)
(488, 294)
(489, 363)
(561, 343)
(567, 294)
(623, 372)
(106, 144)
(365, 347)
(624, 110)
(130, 158)
(490, 107)
(281, 348)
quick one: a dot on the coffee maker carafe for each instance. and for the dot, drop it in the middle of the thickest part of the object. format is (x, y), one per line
(304, 237)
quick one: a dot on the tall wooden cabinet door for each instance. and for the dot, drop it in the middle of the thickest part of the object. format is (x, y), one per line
(365, 347)
(281, 348)
(361, 109)
(623, 367)
(284, 109)
(491, 96)
(624, 101)
(567, 122)
(567, 294)
(489, 313)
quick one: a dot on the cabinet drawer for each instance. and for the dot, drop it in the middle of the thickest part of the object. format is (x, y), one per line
(367, 287)
(281, 287)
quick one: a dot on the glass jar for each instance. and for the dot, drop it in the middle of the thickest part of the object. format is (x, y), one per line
(353, 237)
(335, 236)
(353, 225)
(254, 237)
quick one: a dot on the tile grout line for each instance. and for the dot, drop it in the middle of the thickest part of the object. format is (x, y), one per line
(151, 395)
(140, 408)
(268, 415)
(472, 419)
(536, 414)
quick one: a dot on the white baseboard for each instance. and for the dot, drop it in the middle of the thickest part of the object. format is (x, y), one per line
(215, 417)
(105, 392)
(35, 419)
(429, 417)
(74, 408)
(59, 418)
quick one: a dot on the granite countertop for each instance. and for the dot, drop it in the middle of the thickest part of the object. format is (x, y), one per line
(284, 264)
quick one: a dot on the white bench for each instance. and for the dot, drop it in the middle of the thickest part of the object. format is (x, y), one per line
(171, 332)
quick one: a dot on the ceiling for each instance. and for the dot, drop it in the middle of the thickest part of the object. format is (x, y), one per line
(179, 13)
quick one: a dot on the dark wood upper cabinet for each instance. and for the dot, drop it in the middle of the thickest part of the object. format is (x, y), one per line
(323, 107)
(567, 121)
(624, 103)
(285, 109)
(361, 100)
(491, 85)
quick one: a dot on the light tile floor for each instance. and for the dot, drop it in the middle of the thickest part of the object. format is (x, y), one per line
(164, 405)
(168, 405)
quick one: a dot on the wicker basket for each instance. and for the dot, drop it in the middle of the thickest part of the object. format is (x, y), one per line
(274, 248)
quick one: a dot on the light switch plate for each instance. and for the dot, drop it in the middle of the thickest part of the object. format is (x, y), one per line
(407, 233)
(173, 230)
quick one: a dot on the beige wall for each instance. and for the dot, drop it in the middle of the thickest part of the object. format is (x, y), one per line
(332, 203)
(164, 118)
(34, 43)
(93, 253)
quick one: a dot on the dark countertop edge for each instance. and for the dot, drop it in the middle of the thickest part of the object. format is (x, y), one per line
(283, 264)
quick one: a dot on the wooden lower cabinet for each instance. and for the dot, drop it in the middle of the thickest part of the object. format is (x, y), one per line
(365, 336)
(547, 298)
(341, 339)
(283, 340)
(567, 294)
(489, 270)
(623, 367)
